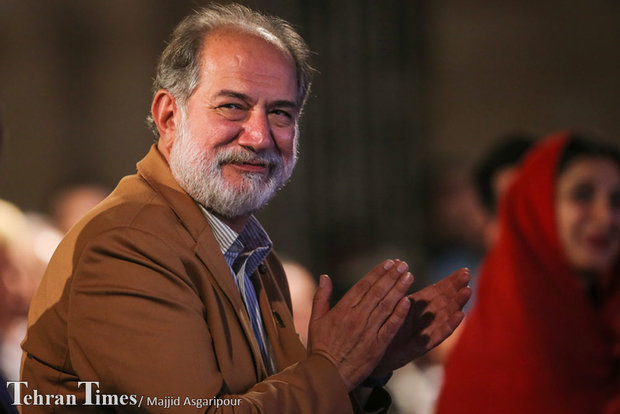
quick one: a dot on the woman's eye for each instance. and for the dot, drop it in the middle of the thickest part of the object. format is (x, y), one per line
(614, 200)
(582, 192)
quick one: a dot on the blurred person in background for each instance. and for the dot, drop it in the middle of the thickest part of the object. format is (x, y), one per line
(494, 174)
(302, 286)
(28, 242)
(72, 202)
(465, 206)
(15, 284)
(454, 239)
(5, 267)
(455, 221)
(544, 334)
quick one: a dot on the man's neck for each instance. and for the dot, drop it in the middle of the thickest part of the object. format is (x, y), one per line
(235, 223)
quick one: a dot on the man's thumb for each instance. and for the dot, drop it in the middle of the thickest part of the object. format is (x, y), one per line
(320, 303)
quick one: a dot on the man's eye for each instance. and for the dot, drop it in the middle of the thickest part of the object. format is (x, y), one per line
(232, 111)
(281, 117)
(280, 112)
(230, 106)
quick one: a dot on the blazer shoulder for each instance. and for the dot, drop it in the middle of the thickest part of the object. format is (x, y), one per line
(134, 204)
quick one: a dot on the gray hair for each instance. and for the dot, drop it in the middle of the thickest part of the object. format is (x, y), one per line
(178, 70)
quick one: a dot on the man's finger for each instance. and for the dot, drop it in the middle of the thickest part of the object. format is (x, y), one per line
(357, 292)
(384, 286)
(448, 286)
(456, 300)
(463, 296)
(445, 330)
(320, 303)
(385, 307)
(395, 321)
(460, 278)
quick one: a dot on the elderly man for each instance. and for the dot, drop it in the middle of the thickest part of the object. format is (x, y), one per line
(168, 295)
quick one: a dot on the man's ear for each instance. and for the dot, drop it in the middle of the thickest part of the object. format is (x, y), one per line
(166, 114)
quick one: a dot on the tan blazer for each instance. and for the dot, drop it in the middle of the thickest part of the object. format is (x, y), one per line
(138, 297)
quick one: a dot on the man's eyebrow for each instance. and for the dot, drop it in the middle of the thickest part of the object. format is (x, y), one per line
(282, 103)
(233, 94)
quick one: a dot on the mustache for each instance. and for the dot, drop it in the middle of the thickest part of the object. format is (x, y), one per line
(233, 155)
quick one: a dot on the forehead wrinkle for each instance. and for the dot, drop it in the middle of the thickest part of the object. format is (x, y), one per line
(229, 33)
(241, 30)
(259, 32)
(241, 82)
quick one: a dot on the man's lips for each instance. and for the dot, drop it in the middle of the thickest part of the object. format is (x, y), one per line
(250, 167)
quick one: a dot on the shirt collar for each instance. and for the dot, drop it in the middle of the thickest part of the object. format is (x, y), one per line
(252, 237)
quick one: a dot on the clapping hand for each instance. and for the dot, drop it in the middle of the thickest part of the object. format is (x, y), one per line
(434, 314)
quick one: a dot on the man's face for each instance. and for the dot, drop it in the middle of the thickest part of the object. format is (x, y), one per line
(236, 137)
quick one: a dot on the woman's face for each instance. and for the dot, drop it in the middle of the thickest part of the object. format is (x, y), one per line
(588, 213)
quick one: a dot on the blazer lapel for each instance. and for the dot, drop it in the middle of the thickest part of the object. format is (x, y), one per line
(155, 170)
(285, 343)
(209, 253)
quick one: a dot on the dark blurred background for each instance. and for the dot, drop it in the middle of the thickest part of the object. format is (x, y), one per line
(408, 95)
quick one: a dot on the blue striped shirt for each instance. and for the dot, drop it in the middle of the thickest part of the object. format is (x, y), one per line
(243, 253)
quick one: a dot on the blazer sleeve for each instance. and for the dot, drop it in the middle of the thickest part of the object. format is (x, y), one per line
(136, 324)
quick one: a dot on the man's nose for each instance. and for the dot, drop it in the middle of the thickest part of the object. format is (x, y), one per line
(257, 133)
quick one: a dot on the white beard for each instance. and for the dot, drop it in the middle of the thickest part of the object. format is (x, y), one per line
(199, 173)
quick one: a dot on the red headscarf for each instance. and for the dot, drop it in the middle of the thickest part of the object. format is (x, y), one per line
(534, 343)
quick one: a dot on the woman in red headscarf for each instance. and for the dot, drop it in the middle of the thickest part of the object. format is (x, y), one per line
(544, 335)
